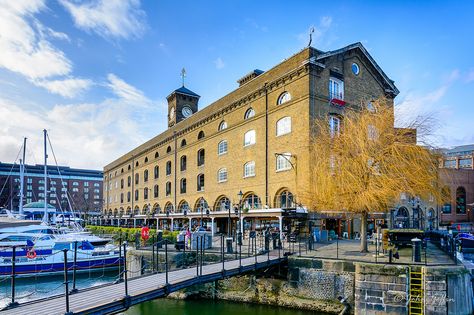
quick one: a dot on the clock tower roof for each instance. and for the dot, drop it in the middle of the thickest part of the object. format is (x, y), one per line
(183, 90)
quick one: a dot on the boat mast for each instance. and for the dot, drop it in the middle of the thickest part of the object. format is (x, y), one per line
(45, 215)
(22, 177)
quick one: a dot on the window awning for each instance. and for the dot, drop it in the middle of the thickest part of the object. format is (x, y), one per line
(338, 102)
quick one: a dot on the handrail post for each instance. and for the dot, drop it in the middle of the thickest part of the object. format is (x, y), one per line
(203, 241)
(153, 253)
(256, 252)
(184, 253)
(166, 261)
(66, 282)
(74, 289)
(120, 278)
(222, 254)
(13, 303)
(197, 256)
(125, 268)
(240, 255)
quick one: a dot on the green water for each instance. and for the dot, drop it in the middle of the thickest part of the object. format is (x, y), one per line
(209, 307)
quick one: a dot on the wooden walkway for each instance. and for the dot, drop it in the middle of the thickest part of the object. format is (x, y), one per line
(110, 299)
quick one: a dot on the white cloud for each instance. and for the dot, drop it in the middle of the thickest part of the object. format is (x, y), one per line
(116, 19)
(470, 76)
(125, 91)
(88, 135)
(23, 49)
(219, 63)
(319, 31)
(68, 88)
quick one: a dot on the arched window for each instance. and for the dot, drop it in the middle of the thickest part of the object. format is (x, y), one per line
(182, 163)
(136, 194)
(145, 193)
(222, 175)
(249, 138)
(145, 175)
(129, 167)
(128, 196)
(156, 172)
(222, 147)
(460, 200)
(182, 186)
(129, 181)
(145, 209)
(252, 201)
(183, 143)
(121, 172)
(121, 197)
(334, 125)
(168, 168)
(157, 155)
(146, 159)
(402, 218)
(222, 204)
(168, 188)
(222, 125)
(200, 182)
(156, 209)
(136, 164)
(168, 149)
(249, 169)
(169, 207)
(284, 97)
(285, 200)
(183, 206)
(137, 179)
(200, 157)
(121, 183)
(155, 191)
(200, 134)
(249, 113)
(136, 211)
(201, 205)
(283, 126)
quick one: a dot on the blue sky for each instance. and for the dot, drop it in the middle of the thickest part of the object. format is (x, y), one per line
(96, 73)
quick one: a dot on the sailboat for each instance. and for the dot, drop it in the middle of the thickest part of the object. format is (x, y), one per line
(37, 249)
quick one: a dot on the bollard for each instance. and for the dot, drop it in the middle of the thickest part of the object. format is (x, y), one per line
(125, 268)
(13, 303)
(66, 282)
(74, 269)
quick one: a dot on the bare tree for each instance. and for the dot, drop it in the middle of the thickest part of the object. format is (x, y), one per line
(366, 164)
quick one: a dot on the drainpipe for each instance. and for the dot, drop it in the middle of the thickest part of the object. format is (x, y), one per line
(266, 144)
(175, 168)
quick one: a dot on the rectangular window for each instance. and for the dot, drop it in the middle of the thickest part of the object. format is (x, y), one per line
(29, 187)
(249, 169)
(334, 125)
(447, 208)
(450, 163)
(96, 185)
(222, 147)
(75, 184)
(222, 175)
(53, 182)
(283, 126)
(336, 89)
(249, 138)
(465, 163)
(86, 184)
(29, 180)
(283, 162)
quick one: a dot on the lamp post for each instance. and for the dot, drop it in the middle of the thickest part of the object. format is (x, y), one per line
(239, 235)
(202, 212)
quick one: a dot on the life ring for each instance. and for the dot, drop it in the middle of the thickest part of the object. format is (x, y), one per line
(31, 254)
(145, 233)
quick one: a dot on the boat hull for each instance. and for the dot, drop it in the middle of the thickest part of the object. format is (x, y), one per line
(40, 269)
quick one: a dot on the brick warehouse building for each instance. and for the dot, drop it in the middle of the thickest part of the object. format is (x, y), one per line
(83, 187)
(255, 140)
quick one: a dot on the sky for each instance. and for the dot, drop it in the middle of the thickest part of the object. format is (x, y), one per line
(96, 73)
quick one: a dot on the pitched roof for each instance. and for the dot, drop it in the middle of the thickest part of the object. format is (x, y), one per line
(359, 46)
(184, 90)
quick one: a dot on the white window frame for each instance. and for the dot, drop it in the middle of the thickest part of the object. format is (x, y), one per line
(249, 169)
(222, 147)
(250, 138)
(283, 126)
(334, 128)
(222, 175)
(249, 113)
(336, 89)
(284, 97)
(283, 162)
(222, 125)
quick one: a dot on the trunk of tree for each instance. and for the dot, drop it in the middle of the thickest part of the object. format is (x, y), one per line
(363, 233)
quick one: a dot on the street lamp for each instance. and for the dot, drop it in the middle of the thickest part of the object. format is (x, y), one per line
(239, 235)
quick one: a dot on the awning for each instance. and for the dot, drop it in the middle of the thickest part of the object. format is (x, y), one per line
(338, 102)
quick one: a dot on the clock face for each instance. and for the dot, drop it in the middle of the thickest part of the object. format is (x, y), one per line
(187, 111)
(172, 113)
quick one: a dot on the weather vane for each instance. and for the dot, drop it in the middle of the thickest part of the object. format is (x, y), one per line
(183, 75)
(311, 31)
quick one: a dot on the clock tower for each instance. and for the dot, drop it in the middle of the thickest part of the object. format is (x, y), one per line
(182, 103)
